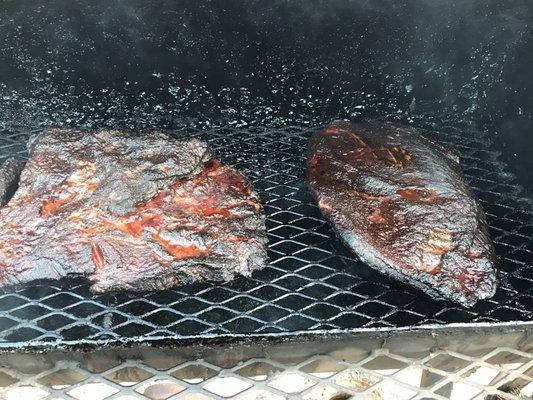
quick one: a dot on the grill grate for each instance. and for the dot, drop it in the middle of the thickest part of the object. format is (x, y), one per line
(404, 368)
(313, 282)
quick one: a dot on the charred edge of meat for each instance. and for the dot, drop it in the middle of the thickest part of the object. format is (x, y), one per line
(423, 281)
(172, 277)
(9, 179)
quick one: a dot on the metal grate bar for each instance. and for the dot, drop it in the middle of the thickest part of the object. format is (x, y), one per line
(412, 367)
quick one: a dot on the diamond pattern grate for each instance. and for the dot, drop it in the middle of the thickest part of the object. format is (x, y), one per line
(313, 283)
(357, 369)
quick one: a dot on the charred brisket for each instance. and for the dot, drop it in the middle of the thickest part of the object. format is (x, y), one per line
(9, 177)
(129, 211)
(400, 202)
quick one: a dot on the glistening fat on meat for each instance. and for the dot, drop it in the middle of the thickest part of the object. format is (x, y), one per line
(129, 211)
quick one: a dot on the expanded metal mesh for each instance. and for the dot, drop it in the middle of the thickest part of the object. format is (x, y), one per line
(313, 282)
(358, 369)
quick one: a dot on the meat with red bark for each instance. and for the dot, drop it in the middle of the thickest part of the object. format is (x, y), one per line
(130, 211)
(400, 202)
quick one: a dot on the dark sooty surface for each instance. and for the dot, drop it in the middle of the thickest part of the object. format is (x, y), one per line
(312, 283)
(256, 78)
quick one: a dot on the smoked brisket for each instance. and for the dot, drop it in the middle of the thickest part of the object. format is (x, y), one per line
(400, 202)
(130, 211)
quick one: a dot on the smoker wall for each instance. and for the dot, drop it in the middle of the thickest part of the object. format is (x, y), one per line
(137, 64)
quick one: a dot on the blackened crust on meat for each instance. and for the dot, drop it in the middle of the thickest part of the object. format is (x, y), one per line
(399, 201)
(209, 227)
(9, 178)
(129, 211)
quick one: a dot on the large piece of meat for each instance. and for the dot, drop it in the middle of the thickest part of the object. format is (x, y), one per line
(129, 211)
(399, 201)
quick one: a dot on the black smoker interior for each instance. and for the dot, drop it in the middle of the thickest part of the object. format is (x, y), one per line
(255, 78)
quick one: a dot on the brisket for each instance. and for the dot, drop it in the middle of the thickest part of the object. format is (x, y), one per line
(9, 177)
(130, 211)
(399, 201)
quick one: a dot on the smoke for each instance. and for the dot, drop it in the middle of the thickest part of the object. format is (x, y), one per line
(136, 63)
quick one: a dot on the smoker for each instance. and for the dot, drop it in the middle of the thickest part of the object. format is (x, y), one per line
(255, 79)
